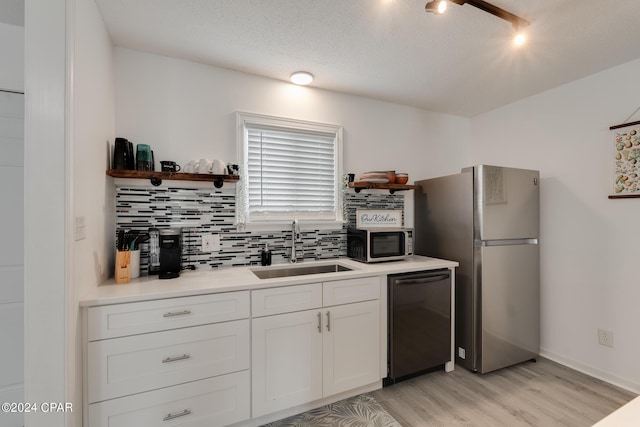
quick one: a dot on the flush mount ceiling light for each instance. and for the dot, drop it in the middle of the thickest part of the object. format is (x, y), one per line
(517, 22)
(301, 78)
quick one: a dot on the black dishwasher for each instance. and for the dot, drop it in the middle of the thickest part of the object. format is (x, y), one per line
(419, 323)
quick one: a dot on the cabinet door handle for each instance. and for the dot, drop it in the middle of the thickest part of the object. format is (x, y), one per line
(176, 415)
(177, 313)
(328, 322)
(176, 358)
(319, 322)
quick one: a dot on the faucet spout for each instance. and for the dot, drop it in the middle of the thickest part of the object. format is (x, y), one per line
(295, 237)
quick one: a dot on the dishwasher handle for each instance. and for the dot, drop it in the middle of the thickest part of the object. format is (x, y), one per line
(428, 279)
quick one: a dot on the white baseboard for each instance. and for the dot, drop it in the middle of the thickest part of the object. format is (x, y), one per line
(591, 371)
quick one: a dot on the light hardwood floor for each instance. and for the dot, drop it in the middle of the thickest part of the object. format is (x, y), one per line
(529, 394)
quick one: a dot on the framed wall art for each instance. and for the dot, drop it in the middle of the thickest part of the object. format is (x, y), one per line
(626, 160)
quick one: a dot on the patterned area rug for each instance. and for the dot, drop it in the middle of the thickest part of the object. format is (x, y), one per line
(358, 411)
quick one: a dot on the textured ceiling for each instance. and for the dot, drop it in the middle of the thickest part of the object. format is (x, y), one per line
(461, 63)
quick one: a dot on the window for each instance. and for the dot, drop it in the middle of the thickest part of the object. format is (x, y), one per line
(290, 170)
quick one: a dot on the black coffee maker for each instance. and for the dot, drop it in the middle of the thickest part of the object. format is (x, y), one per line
(170, 253)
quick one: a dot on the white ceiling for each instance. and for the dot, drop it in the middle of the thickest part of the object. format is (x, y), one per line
(460, 63)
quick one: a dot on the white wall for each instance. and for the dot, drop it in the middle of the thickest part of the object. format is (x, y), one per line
(589, 244)
(93, 192)
(12, 51)
(93, 127)
(46, 208)
(185, 110)
(11, 212)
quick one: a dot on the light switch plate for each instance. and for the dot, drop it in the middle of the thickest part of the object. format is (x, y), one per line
(210, 243)
(80, 228)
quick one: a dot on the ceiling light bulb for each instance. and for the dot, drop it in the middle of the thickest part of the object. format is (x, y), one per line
(436, 6)
(519, 39)
(301, 78)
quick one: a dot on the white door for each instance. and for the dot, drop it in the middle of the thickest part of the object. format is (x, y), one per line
(286, 358)
(351, 346)
(11, 253)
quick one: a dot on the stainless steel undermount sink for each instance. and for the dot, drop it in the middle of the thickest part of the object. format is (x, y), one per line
(299, 270)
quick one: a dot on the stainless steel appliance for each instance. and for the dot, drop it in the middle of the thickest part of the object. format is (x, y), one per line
(154, 251)
(487, 219)
(419, 322)
(379, 244)
(170, 253)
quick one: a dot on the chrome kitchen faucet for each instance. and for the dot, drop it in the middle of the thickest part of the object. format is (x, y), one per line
(295, 237)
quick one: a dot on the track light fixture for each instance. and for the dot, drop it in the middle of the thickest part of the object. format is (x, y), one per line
(436, 6)
(517, 22)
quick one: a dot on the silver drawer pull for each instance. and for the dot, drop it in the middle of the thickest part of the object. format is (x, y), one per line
(177, 313)
(176, 358)
(177, 415)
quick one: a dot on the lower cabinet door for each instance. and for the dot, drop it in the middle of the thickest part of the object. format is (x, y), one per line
(351, 346)
(217, 401)
(286, 361)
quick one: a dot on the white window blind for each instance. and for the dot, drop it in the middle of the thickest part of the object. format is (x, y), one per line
(291, 170)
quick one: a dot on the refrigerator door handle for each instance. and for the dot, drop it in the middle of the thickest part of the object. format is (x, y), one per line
(506, 242)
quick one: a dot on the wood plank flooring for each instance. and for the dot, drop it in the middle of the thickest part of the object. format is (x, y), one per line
(543, 394)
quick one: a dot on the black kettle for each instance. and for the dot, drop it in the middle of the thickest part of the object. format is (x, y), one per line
(123, 154)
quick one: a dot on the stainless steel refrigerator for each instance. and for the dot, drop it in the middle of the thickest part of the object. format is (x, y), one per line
(487, 219)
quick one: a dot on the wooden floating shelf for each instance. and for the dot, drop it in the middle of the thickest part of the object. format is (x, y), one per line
(360, 185)
(624, 196)
(157, 177)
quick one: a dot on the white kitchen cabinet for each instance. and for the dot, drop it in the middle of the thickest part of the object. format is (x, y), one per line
(134, 364)
(212, 402)
(285, 299)
(306, 355)
(135, 318)
(177, 361)
(350, 290)
(351, 346)
(286, 365)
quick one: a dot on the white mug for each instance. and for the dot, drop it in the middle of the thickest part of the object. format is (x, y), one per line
(218, 167)
(190, 167)
(204, 166)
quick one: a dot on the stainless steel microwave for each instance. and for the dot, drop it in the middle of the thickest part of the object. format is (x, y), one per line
(379, 244)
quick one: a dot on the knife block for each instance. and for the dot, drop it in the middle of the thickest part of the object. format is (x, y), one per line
(123, 267)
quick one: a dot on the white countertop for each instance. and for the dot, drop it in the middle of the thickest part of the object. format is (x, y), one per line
(241, 278)
(627, 416)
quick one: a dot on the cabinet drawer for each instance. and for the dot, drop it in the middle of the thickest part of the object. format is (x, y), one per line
(128, 365)
(160, 315)
(352, 290)
(212, 402)
(286, 299)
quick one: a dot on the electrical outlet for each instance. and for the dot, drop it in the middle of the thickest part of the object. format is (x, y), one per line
(210, 243)
(461, 353)
(605, 337)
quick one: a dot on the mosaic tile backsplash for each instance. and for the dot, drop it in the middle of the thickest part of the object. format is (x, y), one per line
(212, 211)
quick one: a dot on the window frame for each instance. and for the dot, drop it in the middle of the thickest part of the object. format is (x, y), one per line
(276, 221)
